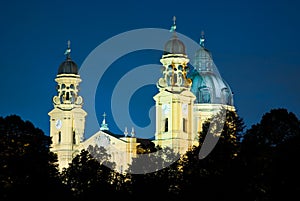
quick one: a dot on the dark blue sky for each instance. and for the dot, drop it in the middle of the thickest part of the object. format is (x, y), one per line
(255, 45)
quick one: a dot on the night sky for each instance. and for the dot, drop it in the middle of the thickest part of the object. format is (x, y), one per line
(255, 45)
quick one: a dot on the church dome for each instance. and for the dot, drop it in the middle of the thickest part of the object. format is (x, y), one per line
(209, 87)
(68, 67)
(207, 84)
(203, 58)
(174, 46)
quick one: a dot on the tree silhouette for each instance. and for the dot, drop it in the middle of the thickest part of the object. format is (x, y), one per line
(269, 151)
(27, 167)
(213, 177)
(260, 164)
(87, 177)
(269, 155)
(154, 174)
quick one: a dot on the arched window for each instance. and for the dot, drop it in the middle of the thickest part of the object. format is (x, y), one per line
(59, 137)
(67, 96)
(62, 97)
(204, 95)
(179, 81)
(166, 125)
(72, 98)
(184, 125)
(174, 81)
(198, 97)
(74, 137)
(226, 96)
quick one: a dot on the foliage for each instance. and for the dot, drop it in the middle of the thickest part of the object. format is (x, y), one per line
(211, 174)
(269, 157)
(257, 164)
(86, 176)
(154, 173)
(26, 165)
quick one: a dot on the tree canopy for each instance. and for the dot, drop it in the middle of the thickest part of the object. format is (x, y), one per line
(27, 168)
(259, 163)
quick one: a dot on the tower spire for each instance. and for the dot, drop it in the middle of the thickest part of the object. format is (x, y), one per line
(104, 124)
(132, 132)
(104, 115)
(202, 39)
(68, 50)
(173, 27)
(125, 132)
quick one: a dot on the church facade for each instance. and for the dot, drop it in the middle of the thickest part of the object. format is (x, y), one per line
(185, 99)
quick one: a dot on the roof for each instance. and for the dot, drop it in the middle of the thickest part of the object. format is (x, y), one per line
(68, 67)
(174, 46)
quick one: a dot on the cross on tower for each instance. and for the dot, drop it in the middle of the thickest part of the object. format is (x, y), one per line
(68, 50)
(202, 39)
(173, 27)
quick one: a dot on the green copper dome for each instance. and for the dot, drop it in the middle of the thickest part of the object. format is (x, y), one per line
(210, 88)
(207, 84)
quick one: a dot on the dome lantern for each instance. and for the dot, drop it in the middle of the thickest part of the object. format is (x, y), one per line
(68, 66)
(174, 45)
(207, 84)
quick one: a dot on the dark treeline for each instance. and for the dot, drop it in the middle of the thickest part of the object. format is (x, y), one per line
(260, 163)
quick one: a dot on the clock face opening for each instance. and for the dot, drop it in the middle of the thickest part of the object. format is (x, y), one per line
(166, 108)
(58, 124)
(184, 109)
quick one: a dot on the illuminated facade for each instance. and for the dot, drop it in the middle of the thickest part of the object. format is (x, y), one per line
(185, 99)
(67, 119)
(174, 101)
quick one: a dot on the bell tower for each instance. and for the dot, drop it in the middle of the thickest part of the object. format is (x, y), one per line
(175, 101)
(67, 119)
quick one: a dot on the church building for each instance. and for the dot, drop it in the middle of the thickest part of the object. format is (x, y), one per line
(185, 99)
